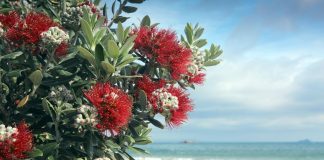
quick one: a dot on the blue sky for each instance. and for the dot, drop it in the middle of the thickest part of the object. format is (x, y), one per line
(269, 86)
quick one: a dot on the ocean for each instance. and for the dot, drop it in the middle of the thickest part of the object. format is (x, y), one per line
(234, 151)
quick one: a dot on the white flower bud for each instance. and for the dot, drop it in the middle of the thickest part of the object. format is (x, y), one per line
(7, 132)
(165, 99)
(54, 36)
(1, 30)
(78, 120)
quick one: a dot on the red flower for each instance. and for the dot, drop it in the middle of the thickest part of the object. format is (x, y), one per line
(9, 20)
(61, 50)
(163, 46)
(26, 30)
(170, 101)
(35, 24)
(147, 85)
(16, 147)
(197, 79)
(113, 105)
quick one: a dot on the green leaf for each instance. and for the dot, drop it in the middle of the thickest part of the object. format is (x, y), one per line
(127, 46)
(112, 144)
(13, 55)
(154, 25)
(120, 32)
(4, 89)
(214, 51)
(50, 158)
(146, 21)
(121, 19)
(99, 54)
(129, 9)
(86, 29)
(113, 49)
(93, 20)
(146, 132)
(50, 7)
(142, 99)
(109, 68)
(126, 32)
(135, 1)
(84, 53)
(35, 153)
(96, 2)
(5, 10)
(47, 107)
(127, 61)
(99, 35)
(36, 77)
(57, 81)
(156, 123)
(113, 7)
(16, 73)
(143, 141)
(105, 10)
(188, 32)
(211, 63)
(86, 16)
(129, 139)
(64, 73)
(200, 43)
(137, 150)
(100, 22)
(198, 33)
(213, 48)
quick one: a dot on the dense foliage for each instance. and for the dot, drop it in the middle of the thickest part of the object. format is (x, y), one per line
(77, 84)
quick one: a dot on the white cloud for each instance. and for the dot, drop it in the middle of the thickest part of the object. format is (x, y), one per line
(254, 83)
(265, 77)
(295, 122)
(268, 122)
(213, 123)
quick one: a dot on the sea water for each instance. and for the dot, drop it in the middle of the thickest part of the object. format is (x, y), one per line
(234, 151)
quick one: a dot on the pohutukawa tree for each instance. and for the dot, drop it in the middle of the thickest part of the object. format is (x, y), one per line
(75, 83)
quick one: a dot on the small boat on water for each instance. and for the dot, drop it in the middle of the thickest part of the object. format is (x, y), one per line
(187, 142)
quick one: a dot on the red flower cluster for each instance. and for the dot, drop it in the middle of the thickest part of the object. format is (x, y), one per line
(113, 105)
(61, 50)
(9, 20)
(17, 146)
(197, 79)
(177, 115)
(163, 46)
(28, 31)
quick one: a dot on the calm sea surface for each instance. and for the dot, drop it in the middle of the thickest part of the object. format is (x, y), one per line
(235, 151)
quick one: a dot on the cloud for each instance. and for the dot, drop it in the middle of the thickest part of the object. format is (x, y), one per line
(310, 87)
(255, 83)
(304, 122)
(264, 122)
(215, 123)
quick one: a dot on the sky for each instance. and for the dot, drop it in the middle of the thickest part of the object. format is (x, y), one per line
(270, 83)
